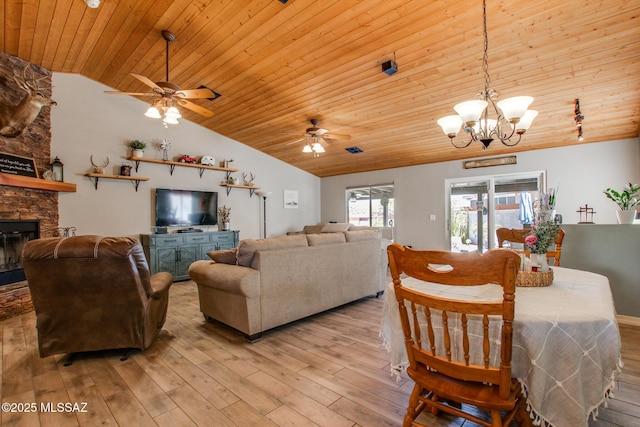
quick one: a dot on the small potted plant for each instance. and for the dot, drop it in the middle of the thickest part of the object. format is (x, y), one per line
(137, 147)
(627, 200)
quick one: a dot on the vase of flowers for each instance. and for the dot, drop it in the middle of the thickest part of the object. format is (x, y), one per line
(543, 230)
(224, 218)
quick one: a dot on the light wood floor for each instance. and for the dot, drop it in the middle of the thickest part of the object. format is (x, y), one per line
(328, 370)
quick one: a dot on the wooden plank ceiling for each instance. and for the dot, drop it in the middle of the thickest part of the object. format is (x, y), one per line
(279, 65)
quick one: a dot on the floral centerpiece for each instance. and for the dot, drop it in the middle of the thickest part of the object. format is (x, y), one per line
(544, 228)
(224, 217)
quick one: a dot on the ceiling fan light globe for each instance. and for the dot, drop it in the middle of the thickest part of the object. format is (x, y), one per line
(470, 111)
(153, 113)
(318, 148)
(525, 121)
(172, 112)
(514, 108)
(450, 125)
(170, 120)
(307, 149)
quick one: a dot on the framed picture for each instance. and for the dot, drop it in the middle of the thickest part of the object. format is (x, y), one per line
(18, 165)
(290, 199)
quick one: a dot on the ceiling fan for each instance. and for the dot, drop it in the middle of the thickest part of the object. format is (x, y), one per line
(169, 95)
(316, 137)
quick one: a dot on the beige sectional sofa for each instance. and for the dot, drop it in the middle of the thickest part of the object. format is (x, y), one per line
(267, 283)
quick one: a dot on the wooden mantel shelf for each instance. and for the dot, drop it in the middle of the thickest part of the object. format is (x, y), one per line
(36, 183)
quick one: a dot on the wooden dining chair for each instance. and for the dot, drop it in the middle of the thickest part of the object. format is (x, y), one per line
(437, 329)
(515, 235)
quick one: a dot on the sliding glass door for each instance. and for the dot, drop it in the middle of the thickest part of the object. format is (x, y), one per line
(371, 206)
(478, 206)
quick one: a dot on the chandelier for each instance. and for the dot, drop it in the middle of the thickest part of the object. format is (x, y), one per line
(314, 147)
(512, 116)
(170, 114)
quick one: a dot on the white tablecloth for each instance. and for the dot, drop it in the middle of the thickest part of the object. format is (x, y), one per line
(566, 342)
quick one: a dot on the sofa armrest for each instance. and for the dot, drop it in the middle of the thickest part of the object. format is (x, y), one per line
(160, 283)
(233, 279)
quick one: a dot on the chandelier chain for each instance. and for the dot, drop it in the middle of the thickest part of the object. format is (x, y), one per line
(485, 57)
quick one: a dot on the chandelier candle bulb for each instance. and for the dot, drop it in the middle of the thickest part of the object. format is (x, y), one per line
(513, 109)
(470, 111)
(525, 121)
(450, 125)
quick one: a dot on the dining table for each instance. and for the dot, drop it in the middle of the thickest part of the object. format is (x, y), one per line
(566, 341)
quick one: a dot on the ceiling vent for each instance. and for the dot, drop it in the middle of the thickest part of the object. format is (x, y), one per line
(354, 150)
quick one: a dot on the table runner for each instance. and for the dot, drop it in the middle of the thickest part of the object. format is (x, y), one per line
(566, 342)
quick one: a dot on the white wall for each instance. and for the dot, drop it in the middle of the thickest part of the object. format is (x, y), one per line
(87, 121)
(581, 173)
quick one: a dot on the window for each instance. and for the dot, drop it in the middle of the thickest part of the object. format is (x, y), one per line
(370, 206)
(478, 206)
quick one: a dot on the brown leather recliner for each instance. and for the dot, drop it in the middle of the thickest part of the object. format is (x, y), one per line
(94, 293)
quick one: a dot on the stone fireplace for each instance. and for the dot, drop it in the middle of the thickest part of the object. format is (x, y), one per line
(23, 205)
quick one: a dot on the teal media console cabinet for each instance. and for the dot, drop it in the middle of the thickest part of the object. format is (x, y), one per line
(175, 252)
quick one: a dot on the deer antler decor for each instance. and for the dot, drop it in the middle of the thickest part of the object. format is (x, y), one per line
(248, 182)
(99, 169)
(14, 119)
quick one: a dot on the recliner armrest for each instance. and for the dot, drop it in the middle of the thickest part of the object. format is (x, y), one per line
(160, 283)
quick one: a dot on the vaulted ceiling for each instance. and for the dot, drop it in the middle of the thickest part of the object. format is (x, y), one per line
(279, 65)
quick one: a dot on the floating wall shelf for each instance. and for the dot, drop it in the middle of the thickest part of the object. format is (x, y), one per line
(36, 183)
(251, 188)
(172, 165)
(135, 179)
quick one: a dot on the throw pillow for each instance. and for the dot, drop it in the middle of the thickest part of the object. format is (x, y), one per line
(224, 256)
(325, 239)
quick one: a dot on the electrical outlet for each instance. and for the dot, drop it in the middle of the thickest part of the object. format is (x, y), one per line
(432, 217)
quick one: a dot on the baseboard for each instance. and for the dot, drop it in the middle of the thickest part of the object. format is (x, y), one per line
(628, 320)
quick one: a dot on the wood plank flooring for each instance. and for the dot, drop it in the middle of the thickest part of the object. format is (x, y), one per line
(328, 370)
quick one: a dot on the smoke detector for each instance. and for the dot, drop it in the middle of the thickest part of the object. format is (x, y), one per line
(93, 4)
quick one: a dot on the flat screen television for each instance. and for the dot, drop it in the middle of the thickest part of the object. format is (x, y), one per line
(185, 207)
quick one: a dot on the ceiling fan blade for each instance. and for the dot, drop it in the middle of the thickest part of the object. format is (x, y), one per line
(195, 107)
(195, 93)
(146, 81)
(294, 142)
(336, 136)
(115, 92)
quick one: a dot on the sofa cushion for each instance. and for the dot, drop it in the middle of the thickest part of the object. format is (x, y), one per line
(358, 235)
(335, 227)
(312, 229)
(361, 227)
(248, 247)
(325, 239)
(224, 256)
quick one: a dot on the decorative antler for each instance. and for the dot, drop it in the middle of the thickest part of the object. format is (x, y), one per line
(99, 169)
(248, 182)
